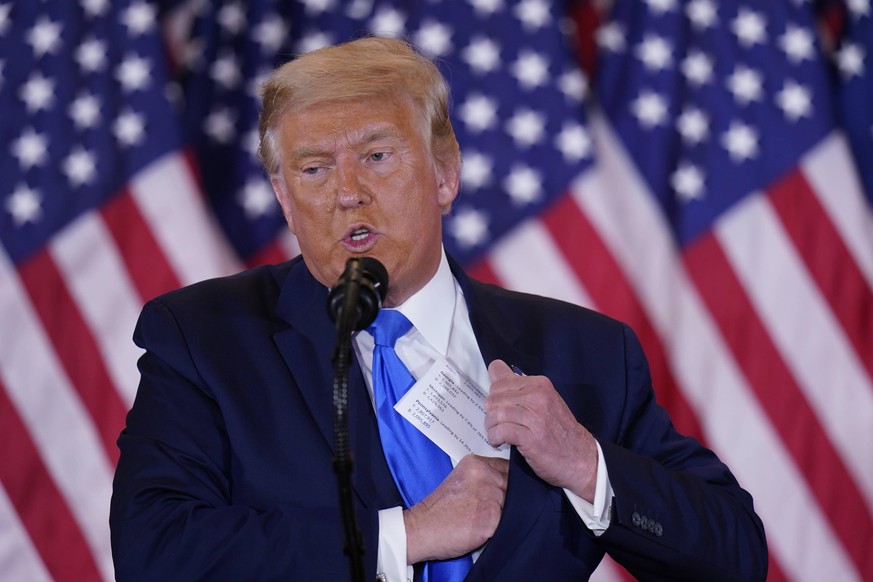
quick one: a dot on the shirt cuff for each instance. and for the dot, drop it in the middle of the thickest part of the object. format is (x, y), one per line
(598, 515)
(391, 557)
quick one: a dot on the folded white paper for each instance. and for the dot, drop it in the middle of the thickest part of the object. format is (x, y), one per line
(449, 409)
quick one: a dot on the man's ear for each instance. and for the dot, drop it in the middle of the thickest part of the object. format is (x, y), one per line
(278, 183)
(449, 176)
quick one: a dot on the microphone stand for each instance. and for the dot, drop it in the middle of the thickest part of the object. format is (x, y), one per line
(342, 460)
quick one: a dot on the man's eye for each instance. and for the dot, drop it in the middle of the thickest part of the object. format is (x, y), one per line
(378, 156)
(311, 170)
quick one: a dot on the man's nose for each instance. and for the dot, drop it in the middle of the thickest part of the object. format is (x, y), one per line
(351, 191)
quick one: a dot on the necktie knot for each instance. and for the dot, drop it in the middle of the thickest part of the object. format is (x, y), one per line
(389, 325)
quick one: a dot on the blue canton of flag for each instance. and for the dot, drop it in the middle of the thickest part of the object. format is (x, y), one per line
(83, 96)
(705, 96)
(853, 60)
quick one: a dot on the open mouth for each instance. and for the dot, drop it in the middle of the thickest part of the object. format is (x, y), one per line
(360, 239)
(359, 234)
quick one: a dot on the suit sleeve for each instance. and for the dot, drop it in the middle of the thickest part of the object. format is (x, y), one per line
(678, 511)
(173, 515)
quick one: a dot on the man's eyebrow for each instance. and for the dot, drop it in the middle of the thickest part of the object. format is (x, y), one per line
(379, 133)
(308, 152)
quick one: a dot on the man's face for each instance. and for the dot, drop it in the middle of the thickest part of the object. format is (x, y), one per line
(357, 179)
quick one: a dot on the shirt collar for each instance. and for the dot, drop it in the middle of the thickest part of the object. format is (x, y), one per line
(432, 308)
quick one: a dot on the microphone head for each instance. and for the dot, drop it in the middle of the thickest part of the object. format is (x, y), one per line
(359, 293)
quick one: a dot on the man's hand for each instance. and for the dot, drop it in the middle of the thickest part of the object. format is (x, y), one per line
(461, 514)
(527, 411)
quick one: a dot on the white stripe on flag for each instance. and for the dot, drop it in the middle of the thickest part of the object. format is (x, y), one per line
(59, 425)
(614, 198)
(96, 277)
(172, 205)
(607, 571)
(792, 519)
(835, 181)
(288, 243)
(527, 260)
(801, 324)
(19, 560)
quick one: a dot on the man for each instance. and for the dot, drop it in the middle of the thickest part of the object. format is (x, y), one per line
(225, 468)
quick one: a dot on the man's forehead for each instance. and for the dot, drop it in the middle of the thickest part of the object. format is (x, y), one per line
(329, 127)
(343, 137)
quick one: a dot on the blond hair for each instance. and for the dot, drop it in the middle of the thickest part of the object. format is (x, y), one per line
(360, 69)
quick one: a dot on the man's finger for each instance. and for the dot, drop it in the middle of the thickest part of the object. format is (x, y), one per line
(499, 369)
(498, 464)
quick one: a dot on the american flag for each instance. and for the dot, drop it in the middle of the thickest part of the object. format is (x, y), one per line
(698, 183)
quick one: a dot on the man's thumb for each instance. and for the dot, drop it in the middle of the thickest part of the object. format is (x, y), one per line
(499, 369)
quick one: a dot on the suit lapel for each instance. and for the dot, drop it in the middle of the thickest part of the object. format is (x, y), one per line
(307, 346)
(526, 494)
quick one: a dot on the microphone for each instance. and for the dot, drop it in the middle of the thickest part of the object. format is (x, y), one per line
(352, 305)
(355, 299)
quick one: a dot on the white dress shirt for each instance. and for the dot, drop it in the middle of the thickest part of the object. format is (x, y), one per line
(441, 328)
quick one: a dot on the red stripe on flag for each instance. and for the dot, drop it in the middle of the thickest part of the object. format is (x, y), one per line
(586, 17)
(774, 572)
(269, 254)
(594, 265)
(482, 271)
(76, 348)
(190, 157)
(832, 23)
(780, 396)
(828, 260)
(146, 264)
(40, 506)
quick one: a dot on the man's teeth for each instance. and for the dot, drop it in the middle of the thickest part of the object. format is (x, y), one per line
(360, 234)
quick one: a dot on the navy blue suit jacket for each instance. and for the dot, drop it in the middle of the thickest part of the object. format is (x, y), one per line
(225, 470)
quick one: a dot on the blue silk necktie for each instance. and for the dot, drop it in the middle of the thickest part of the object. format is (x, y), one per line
(417, 465)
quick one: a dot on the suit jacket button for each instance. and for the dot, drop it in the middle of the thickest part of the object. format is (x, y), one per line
(659, 531)
(635, 519)
(644, 522)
